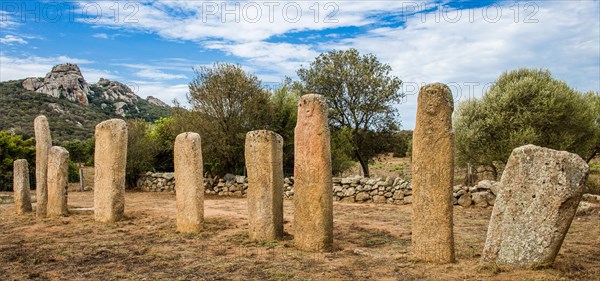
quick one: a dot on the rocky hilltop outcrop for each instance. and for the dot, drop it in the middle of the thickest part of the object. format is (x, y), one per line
(115, 91)
(154, 101)
(64, 81)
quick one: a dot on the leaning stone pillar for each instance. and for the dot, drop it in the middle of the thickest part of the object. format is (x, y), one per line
(43, 142)
(264, 163)
(189, 182)
(313, 197)
(541, 189)
(58, 175)
(433, 176)
(21, 187)
(110, 158)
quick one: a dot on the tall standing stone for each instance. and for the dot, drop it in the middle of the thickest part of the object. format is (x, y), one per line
(264, 162)
(110, 158)
(189, 182)
(313, 197)
(58, 179)
(43, 142)
(541, 189)
(21, 186)
(433, 176)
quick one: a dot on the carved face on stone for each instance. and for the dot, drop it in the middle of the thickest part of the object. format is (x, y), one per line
(439, 96)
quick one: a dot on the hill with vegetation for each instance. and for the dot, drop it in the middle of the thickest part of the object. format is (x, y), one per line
(71, 117)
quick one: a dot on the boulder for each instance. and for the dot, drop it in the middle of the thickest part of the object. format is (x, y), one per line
(541, 189)
(465, 200)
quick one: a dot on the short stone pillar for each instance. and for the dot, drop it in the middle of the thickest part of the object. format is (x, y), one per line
(110, 158)
(313, 197)
(189, 182)
(433, 176)
(58, 180)
(21, 187)
(43, 142)
(541, 189)
(264, 163)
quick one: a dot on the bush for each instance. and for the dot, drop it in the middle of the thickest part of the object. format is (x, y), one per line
(142, 149)
(73, 172)
(525, 106)
(13, 147)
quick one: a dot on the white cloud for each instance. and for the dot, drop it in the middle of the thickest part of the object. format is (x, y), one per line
(11, 39)
(13, 68)
(283, 58)
(158, 75)
(7, 20)
(156, 72)
(565, 40)
(92, 75)
(100, 35)
(165, 92)
(240, 21)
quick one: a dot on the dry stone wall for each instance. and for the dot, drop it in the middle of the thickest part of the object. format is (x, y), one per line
(350, 189)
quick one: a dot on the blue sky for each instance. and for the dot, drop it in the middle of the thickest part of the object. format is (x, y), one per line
(154, 45)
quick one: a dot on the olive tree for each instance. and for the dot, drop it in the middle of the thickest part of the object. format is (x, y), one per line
(361, 94)
(524, 106)
(227, 102)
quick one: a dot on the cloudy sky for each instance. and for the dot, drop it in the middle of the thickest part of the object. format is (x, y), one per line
(153, 46)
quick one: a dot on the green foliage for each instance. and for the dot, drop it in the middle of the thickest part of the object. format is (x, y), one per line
(403, 143)
(285, 110)
(361, 94)
(81, 151)
(341, 150)
(73, 175)
(227, 103)
(14, 147)
(525, 106)
(142, 149)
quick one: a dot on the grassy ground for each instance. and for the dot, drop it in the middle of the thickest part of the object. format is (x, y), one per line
(371, 242)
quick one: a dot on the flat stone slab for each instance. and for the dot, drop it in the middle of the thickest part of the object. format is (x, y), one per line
(82, 211)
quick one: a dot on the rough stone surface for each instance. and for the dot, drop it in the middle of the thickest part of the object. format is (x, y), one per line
(110, 158)
(433, 176)
(480, 199)
(264, 163)
(154, 101)
(541, 189)
(189, 182)
(21, 187)
(115, 91)
(65, 80)
(465, 200)
(58, 179)
(43, 142)
(313, 197)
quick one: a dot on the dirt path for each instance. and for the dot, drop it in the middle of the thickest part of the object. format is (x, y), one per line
(372, 242)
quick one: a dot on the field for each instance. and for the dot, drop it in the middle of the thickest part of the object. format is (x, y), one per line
(371, 242)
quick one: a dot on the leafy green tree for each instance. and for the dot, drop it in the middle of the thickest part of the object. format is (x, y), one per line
(524, 106)
(227, 103)
(593, 99)
(81, 151)
(341, 150)
(142, 149)
(14, 147)
(284, 102)
(361, 94)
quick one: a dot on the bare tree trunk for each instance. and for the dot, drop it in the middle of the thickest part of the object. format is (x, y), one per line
(363, 164)
(494, 171)
(593, 155)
